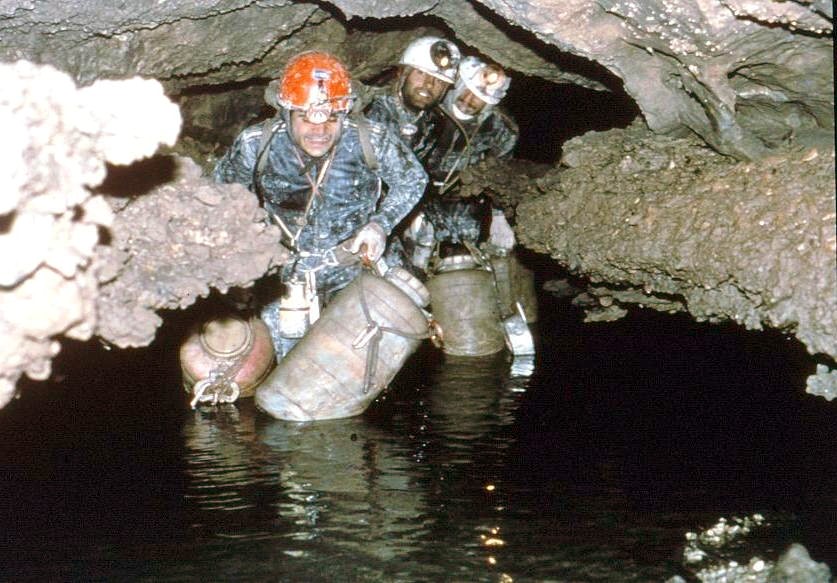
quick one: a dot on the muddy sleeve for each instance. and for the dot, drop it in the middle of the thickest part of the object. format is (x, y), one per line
(505, 136)
(404, 177)
(237, 164)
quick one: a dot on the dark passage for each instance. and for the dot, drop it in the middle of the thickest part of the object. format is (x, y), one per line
(548, 114)
(624, 437)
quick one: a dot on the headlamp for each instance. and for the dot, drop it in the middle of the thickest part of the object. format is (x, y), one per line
(318, 113)
(322, 111)
(442, 56)
(491, 76)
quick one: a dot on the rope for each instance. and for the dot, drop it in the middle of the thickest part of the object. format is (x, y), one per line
(372, 336)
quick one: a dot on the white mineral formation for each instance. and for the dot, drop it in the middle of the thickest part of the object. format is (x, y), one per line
(57, 140)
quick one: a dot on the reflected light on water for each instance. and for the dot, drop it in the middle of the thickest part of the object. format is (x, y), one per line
(467, 469)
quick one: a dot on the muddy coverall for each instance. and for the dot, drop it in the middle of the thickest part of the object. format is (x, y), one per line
(460, 144)
(414, 129)
(418, 132)
(343, 198)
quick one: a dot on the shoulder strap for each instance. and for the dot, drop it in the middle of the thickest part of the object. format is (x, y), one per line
(364, 95)
(261, 157)
(363, 131)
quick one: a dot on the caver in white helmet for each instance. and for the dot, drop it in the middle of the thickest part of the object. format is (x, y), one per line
(486, 81)
(433, 55)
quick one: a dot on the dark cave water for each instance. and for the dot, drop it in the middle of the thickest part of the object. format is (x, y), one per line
(590, 464)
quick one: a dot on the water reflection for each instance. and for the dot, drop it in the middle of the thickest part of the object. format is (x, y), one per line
(349, 483)
(358, 492)
(472, 406)
(339, 491)
(472, 397)
(591, 469)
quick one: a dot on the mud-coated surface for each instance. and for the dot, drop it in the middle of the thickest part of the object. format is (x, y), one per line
(58, 138)
(743, 75)
(172, 244)
(670, 224)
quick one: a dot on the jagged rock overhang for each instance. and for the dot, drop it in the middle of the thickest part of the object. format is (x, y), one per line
(742, 75)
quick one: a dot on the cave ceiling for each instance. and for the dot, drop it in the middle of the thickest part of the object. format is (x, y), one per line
(743, 75)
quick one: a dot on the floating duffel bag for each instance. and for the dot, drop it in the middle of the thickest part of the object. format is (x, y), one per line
(463, 298)
(352, 352)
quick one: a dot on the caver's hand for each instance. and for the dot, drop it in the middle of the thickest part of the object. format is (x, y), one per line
(370, 241)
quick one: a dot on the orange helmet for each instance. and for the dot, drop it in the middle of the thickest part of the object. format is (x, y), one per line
(318, 84)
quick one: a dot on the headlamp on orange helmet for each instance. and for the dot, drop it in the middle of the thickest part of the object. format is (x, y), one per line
(317, 84)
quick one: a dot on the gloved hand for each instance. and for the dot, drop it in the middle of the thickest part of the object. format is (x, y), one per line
(420, 231)
(500, 232)
(370, 241)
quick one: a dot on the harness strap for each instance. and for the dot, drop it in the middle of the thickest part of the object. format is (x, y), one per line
(450, 180)
(363, 130)
(372, 336)
(269, 129)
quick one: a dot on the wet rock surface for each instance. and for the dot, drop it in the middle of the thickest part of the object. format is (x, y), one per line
(83, 257)
(669, 224)
(744, 76)
(709, 553)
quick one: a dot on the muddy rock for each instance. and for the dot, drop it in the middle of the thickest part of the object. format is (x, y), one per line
(172, 244)
(745, 76)
(689, 229)
(58, 141)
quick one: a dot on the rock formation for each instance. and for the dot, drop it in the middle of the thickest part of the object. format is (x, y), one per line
(58, 140)
(725, 198)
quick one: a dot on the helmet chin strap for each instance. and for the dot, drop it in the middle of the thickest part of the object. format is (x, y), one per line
(461, 114)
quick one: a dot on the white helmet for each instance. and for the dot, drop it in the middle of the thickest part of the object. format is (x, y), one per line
(487, 81)
(433, 55)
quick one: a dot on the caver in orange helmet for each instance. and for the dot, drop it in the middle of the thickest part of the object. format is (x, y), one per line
(318, 84)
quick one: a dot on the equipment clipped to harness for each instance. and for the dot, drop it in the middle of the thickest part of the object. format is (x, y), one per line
(354, 350)
(299, 307)
(515, 282)
(519, 338)
(421, 233)
(482, 302)
(464, 301)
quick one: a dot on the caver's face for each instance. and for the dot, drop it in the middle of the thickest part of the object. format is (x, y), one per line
(469, 104)
(315, 139)
(422, 91)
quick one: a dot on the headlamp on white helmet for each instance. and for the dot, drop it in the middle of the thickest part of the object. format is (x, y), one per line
(485, 80)
(433, 55)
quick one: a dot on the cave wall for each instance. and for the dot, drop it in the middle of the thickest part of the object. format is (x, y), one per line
(58, 140)
(672, 226)
(751, 83)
